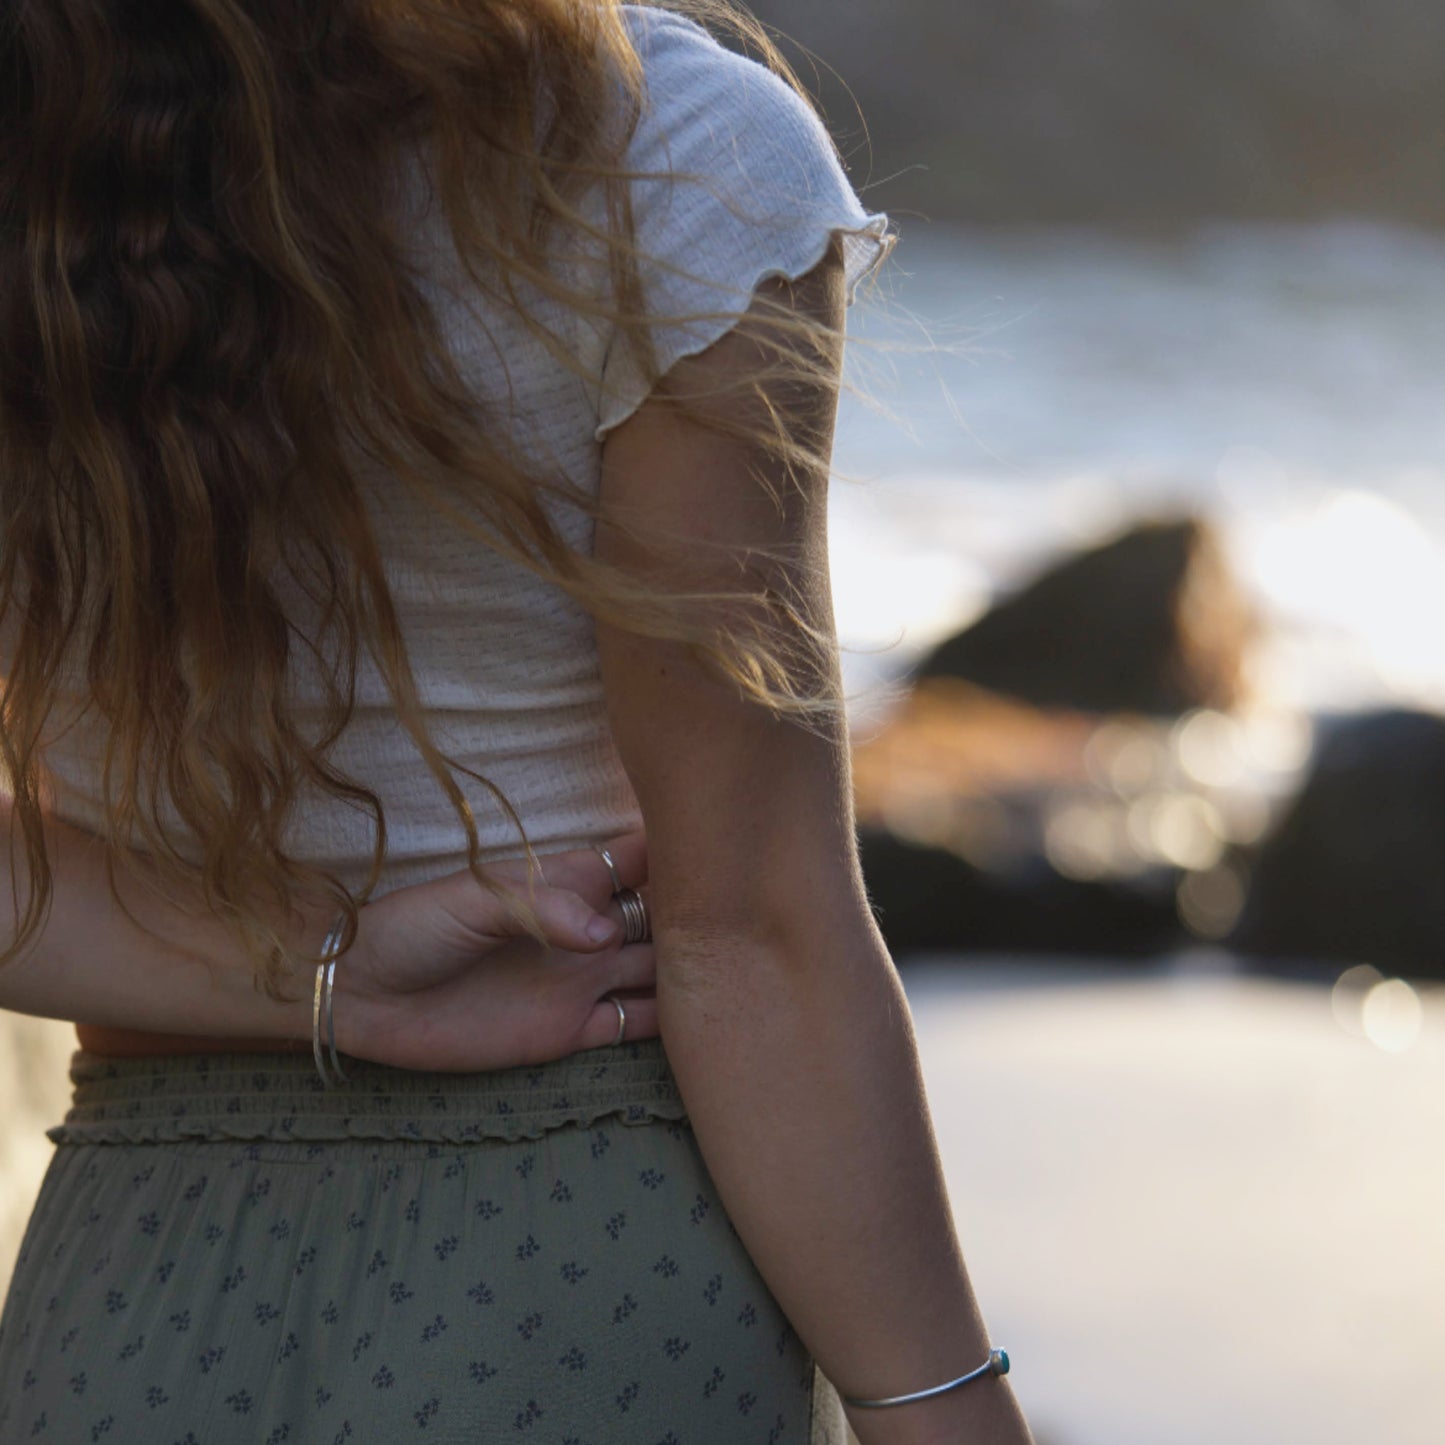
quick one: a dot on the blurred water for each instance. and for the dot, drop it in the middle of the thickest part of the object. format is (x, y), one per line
(1283, 379)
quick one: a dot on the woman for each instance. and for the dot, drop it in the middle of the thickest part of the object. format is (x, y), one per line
(416, 431)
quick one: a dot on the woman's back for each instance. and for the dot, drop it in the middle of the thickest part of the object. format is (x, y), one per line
(505, 661)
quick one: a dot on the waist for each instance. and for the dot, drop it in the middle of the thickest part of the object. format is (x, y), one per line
(132, 1043)
(237, 1095)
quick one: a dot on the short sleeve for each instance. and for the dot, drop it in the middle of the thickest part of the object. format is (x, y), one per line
(743, 183)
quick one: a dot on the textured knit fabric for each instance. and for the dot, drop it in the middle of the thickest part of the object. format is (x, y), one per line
(225, 1254)
(506, 664)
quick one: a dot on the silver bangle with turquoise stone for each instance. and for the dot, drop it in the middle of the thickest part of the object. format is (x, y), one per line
(996, 1364)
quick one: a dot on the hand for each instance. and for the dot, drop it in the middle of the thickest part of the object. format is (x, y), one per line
(441, 975)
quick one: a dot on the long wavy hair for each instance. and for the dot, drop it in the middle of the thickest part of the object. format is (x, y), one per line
(209, 315)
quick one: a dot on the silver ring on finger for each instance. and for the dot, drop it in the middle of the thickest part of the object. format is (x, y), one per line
(621, 1017)
(636, 927)
(606, 857)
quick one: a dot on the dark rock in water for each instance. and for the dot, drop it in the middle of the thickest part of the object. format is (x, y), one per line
(1152, 622)
(930, 900)
(1354, 870)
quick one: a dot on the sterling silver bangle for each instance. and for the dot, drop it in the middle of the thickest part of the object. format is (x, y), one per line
(996, 1364)
(325, 980)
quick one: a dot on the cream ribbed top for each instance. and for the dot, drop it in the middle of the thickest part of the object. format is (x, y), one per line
(507, 664)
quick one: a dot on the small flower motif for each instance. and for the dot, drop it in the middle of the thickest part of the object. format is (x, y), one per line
(699, 1210)
(667, 1267)
(574, 1359)
(280, 1433)
(528, 1325)
(69, 1338)
(713, 1381)
(143, 1177)
(289, 1346)
(130, 1351)
(630, 1392)
(156, 1397)
(776, 1433)
(149, 1224)
(323, 1396)
(397, 1292)
(453, 1169)
(307, 1256)
(675, 1347)
(485, 1209)
(115, 1301)
(363, 1342)
(213, 1233)
(194, 1191)
(99, 1265)
(383, 1379)
(424, 1416)
(623, 1310)
(525, 1419)
(433, 1330)
(164, 1271)
(748, 1316)
(233, 1280)
(280, 1230)
(526, 1164)
(330, 1314)
(651, 1179)
(445, 1248)
(480, 1293)
(616, 1223)
(481, 1371)
(573, 1272)
(378, 1263)
(561, 1193)
(211, 1358)
(413, 1211)
(527, 1248)
(354, 1221)
(101, 1427)
(258, 1191)
(78, 1384)
(601, 1142)
(713, 1289)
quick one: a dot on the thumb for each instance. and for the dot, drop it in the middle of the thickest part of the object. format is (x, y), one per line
(569, 921)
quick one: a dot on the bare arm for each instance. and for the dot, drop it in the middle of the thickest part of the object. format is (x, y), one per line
(782, 1014)
(438, 976)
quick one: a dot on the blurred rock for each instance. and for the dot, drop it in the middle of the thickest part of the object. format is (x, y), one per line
(930, 900)
(1150, 622)
(1128, 111)
(1353, 871)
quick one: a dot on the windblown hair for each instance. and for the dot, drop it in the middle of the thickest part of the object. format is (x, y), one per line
(208, 314)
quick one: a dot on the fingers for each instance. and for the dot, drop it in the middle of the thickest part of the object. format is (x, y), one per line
(633, 967)
(582, 870)
(600, 1031)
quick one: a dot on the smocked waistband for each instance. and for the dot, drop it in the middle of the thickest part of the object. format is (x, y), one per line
(174, 1097)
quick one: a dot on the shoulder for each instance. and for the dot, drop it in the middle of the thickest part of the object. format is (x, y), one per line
(710, 110)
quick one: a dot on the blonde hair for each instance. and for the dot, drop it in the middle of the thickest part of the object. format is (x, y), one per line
(206, 310)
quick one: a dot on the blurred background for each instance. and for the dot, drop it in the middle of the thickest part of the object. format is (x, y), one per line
(1139, 555)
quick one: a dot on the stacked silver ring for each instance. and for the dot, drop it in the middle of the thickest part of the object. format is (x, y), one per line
(635, 925)
(636, 928)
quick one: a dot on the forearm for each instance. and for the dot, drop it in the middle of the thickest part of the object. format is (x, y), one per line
(90, 963)
(801, 1078)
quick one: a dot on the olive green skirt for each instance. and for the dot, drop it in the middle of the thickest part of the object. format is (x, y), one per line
(225, 1253)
